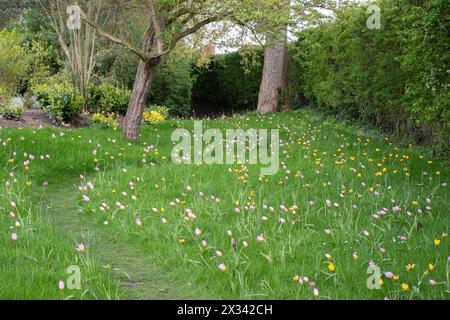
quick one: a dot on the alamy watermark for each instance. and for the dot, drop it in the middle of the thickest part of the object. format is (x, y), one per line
(373, 281)
(235, 147)
(73, 281)
(74, 19)
(374, 20)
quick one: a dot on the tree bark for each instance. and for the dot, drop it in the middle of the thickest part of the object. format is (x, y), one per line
(273, 92)
(142, 85)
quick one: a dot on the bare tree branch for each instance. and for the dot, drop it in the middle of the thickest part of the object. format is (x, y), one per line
(115, 39)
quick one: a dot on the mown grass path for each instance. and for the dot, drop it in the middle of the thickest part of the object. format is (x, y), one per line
(138, 277)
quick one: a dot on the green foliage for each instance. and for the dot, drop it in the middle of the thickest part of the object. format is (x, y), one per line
(61, 102)
(4, 97)
(106, 98)
(117, 66)
(394, 78)
(39, 36)
(173, 85)
(124, 68)
(102, 121)
(14, 60)
(12, 109)
(162, 110)
(42, 94)
(173, 81)
(425, 63)
(229, 82)
(38, 68)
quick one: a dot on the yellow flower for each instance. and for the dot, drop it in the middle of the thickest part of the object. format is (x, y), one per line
(153, 117)
(381, 282)
(182, 241)
(295, 278)
(331, 267)
(410, 267)
(431, 267)
(405, 287)
(437, 242)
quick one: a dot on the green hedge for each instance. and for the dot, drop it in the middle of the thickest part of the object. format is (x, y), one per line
(395, 78)
(173, 85)
(228, 82)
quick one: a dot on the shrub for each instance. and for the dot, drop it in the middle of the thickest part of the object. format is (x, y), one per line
(162, 110)
(41, 93)
(395, 78)
(173, 84)
(14, 60)
(61, 102)
(4, 97)
(13, 109)
(105, 98)
(29, 101)
(153, 117)
(99, 120)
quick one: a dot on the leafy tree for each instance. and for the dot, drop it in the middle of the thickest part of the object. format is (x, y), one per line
(170, 21)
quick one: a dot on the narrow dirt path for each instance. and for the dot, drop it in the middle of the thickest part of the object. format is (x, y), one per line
(138, 277)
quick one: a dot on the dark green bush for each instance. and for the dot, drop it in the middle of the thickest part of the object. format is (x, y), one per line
(173, 84)
(230, 82)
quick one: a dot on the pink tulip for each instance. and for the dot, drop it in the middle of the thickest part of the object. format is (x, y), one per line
(222, 267)
(316, 292)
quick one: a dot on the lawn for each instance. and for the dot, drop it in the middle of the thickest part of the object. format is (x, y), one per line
(344, 199)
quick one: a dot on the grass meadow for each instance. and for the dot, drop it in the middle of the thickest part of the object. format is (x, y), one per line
(344, 199)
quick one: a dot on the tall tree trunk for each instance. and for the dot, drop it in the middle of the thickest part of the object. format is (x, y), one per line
(274, 90)
(142, 85)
